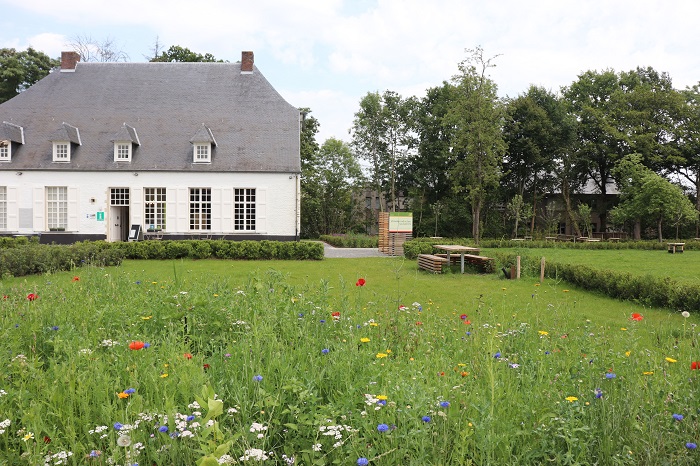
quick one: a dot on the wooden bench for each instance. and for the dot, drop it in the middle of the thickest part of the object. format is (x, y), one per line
(485, 264)
(675, 247)
(431, 262)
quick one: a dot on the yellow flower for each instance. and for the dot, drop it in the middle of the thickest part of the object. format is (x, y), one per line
(565, 291)
(461, 364)
(28, 436)
(627, 353)
(364, 340)
(154, 283)
(543, 332)
(216, 295)
(624, 329)
(123, 395)
(294, 299)
(162, 376)
(671, 360)
(381, 355)
(382, 397)
(537, 284)
(388, 351)
(411, 359)
(571, 399)
(373, 324)
(503, 289)
(147, 317)
(648, 372)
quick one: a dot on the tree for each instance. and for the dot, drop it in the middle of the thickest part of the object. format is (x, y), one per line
(311, 199)
(382, 136)
(476, 116)
(687, 164)
(19, 70)
(95, 50)
(182, 54)
(646, 194)
(517, 211)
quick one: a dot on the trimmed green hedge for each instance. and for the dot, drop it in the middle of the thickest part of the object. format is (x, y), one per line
(643, 289)
(19, 256)
(351, 241)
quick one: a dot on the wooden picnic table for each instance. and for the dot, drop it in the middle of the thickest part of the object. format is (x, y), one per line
(454, 248)
(675, 247)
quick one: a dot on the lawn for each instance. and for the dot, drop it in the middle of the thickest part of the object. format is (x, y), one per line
(223, 362)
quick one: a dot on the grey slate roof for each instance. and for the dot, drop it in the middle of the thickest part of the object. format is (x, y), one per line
(11, 132)
(127, 133)
(66, 133)
(168, 104)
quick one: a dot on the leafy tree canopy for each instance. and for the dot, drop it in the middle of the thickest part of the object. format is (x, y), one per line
(183, 54)
(19, 70)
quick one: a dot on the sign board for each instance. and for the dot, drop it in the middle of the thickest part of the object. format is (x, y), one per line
(134, 232)
(400, 222)
(100, 216)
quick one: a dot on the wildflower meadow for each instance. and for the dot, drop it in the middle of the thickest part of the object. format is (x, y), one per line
(109, 366)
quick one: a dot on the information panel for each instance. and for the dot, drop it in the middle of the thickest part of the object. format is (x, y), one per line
(400, 222)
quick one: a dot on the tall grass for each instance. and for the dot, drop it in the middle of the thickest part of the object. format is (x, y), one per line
(270, 364)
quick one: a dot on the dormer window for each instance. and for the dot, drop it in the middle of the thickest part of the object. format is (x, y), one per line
(61, 151)
(202, 152)
(122, 151)
(202, 143)
(5, 151)
(124, 142)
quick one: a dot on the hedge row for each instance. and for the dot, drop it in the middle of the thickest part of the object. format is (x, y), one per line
(643, 289)
(19, 258)
(351, 241)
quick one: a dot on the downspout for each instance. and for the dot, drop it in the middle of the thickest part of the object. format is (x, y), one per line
(297, 209)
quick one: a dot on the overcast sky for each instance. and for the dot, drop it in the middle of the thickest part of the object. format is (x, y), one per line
(327, 54)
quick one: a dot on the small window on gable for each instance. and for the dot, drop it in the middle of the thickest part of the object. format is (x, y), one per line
(202, 152)
(122, 151)
(61, 151)
(5, 151)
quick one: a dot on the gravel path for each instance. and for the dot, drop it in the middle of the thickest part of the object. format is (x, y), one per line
(331, 251)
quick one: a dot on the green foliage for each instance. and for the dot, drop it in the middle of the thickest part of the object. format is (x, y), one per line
(30, 258)
(182, 54)
(19, 70)
(351, 241)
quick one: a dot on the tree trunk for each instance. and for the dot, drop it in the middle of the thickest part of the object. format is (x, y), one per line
(659, 227)
(534, 211)
(476, 212)
(565, 192)
(637, 231)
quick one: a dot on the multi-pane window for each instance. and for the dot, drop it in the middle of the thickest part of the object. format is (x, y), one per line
(200, 209)
(57, 207)
(123, 151)
(154, 208)
(244, 209)
(61, 152)
(119, 196)
(201, 153)
(4, 151)
(3, 207)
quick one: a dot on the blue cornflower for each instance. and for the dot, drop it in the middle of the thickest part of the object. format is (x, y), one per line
(146, 345)
(691, 446)
(55, 327)
(257, 378)
(598, 393)
(323, 321)
(678, 417)
(610, 375)
(301, 315)
(138, 282)
(325, 350)
(547, 352)
(469, 333)
(382, 427)
(426, 419)
(118, 425)
(497, 355)
(129, 391)
(163, 429)
(444, 404)
(381, 402)
(95, 453)
(362, 461)
(190, 418)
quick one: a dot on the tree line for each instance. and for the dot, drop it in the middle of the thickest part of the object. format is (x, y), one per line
(474, 164)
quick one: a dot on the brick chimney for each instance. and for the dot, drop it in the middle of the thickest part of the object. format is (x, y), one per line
(246, 62)
(69, 60)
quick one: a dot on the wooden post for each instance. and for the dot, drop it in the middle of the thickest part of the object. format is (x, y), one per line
(542, 270)
(517, 267)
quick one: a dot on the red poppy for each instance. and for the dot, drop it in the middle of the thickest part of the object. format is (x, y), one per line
(464, 373)
(636, 316)
(467, 322)
(463, 317)
(4, 297)
(187, 356)
(336, 315)
(47, 439)
(695, 365)
(441, 374)
(419, 323)
(76, 279)
(32, 296)
(360, 282)
(136, 345)
(206, 366)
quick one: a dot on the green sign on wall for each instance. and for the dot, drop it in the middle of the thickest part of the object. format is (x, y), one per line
(100, 216)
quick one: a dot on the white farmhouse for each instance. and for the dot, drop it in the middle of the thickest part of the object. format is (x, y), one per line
(181, 150)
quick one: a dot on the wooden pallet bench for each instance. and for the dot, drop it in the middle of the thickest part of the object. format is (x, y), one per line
(431, 263)
(485, 264)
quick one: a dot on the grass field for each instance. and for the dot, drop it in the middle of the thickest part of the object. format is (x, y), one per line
(220, 362)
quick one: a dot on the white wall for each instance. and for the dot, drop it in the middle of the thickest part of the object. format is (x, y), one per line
(277, 199)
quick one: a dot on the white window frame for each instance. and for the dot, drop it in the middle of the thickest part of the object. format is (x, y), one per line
(6, 152)
(59, 155)
(154, 208)
(244, 209)
(3, 207)
(201, 152)
(200, 209)
(57, 207)
(122, 151)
